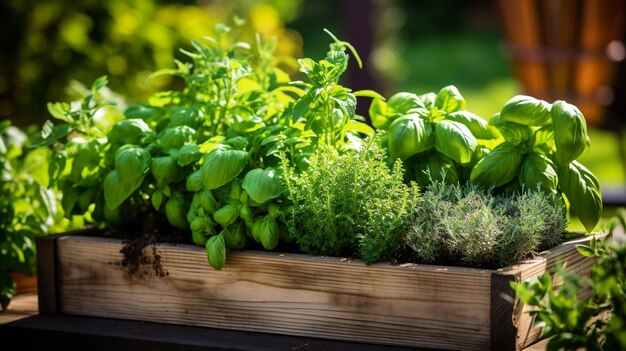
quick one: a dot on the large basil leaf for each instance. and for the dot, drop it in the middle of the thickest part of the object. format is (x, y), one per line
(428, 100)
(194, 181)
(379, 114)
(117, 190)
(538, 171)
(131, 162)
(526, 110)
(186, 116)
(455, 140)
(543, 139)
(266, 231)
(86, 163)
(175, 211)
(262, 184)
(477, 125)
(450, 99)
(128, 131)
(570, 132)
(402, 103)
(498, 167)
(222, 165)
(175, 137)
(216, 251)
(165, 170)
(141, 111)
(435, 167)
(409, 135)
(188, 154)
(583, 192)
(513, 133)
(235, 236)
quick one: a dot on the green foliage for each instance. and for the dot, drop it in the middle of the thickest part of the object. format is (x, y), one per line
(27, 208)
(572, 322)
(219, 138)
(541, 143)
(242, 155)
(466, 225)
(53, 42)
(350, 204)
(432, 128)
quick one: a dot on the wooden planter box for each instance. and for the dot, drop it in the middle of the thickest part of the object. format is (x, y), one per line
(325, 297)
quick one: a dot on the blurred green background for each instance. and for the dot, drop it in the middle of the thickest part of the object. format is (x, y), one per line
(416, 46)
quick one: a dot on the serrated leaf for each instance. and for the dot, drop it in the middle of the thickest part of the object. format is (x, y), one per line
(60, 110)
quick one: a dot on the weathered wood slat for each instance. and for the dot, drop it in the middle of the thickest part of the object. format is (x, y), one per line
(425, 306)
(324, 297)
(47, 275)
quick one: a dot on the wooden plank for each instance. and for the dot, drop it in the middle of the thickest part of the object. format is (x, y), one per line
(503, 328)
(46, 274)
(410, 305)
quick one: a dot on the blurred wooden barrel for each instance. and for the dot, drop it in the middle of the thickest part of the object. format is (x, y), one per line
(566, 49)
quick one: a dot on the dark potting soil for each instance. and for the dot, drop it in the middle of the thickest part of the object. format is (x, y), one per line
(153, 228)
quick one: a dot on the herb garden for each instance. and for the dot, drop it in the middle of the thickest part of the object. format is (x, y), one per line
(246, 158)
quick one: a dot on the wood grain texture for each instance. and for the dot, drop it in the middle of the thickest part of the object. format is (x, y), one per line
(47, 274)
(65, 333)
(411, 305)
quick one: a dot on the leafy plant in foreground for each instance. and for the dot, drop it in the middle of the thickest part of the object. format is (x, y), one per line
(207, 156)
(27, 208)
(572, 322)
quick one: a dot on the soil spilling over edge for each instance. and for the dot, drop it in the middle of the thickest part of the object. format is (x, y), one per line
(153, 228)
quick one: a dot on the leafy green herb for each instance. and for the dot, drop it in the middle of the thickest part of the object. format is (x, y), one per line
(28, 209)
(571, 322)
(466, 225)
(350, 204)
